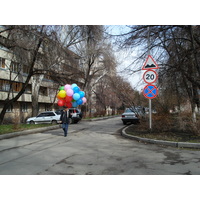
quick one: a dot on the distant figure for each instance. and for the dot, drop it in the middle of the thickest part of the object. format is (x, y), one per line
(64, 118)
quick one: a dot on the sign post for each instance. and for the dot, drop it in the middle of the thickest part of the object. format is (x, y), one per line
(150, 76)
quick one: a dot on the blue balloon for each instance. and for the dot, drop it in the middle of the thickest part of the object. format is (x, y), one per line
(76, 96)
(73, 85)
(82, 94)
(76, 89)
(79, 101)
(74, 104)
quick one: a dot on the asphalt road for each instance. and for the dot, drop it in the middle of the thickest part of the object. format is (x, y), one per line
(92, 148)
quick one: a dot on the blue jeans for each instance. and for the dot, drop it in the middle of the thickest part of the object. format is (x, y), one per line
(65, 128)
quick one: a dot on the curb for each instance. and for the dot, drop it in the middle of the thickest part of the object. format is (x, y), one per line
(101, 118)
(161, 142)
(26, 132)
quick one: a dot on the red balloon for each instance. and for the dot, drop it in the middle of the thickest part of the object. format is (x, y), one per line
(68, 98)
(61, 102)
(68, 104)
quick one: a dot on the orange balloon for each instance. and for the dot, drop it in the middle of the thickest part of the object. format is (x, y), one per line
(59, 97)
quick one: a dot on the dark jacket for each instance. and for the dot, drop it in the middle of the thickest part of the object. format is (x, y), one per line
(64, 118)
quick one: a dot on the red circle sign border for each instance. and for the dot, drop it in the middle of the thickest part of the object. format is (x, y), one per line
(154, 95)
(154, 80)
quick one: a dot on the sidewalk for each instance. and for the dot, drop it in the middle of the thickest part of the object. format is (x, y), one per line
(26, 132)
(38, 130)
(161, 142)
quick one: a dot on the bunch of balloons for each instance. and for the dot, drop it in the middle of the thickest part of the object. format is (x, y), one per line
(71, 96)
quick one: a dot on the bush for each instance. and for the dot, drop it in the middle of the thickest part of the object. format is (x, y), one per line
(162, 123)
(187, 125)
(181, 122)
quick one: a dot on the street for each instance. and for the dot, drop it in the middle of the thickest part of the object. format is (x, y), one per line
(92, 148)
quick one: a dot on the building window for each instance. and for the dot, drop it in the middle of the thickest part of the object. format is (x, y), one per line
(25, 69)
(2, 62)
(10, 108)
(24, 107)
(16, 86)
(47, 107)
(28, 89)
(4, 85)
(43, 91)
(15, 67)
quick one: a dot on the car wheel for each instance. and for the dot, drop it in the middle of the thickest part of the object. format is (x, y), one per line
(54, 122)
(124, 123)
(32, 122)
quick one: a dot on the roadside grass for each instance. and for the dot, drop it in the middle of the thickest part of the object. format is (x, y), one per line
(169, 128)
(19, 127)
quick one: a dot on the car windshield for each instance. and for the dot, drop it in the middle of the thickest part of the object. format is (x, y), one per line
(58, 112)
(42, 115)
(128, 110)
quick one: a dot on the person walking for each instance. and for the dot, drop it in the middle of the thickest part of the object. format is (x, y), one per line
(65, 120)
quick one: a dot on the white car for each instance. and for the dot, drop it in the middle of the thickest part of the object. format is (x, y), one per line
(48, 117)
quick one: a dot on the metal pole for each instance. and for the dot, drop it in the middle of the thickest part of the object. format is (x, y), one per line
(148, 40)
(150, 113)
(150, 118)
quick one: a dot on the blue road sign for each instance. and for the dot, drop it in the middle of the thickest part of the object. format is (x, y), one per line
(150, 91)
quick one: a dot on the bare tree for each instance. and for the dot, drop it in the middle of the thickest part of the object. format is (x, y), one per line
(56, 62)
(176, 49)
(123, 91)
(25, 53)
(92, 51)
(52, 58)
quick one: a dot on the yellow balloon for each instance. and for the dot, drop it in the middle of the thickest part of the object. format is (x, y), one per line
(58, 96)
(62, 94)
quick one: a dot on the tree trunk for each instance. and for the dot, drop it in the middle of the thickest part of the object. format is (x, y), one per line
(194, 117)
(9, 102)
(88, 91)
(36, 82)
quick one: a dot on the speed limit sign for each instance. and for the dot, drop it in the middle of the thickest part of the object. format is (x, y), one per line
(150, 76)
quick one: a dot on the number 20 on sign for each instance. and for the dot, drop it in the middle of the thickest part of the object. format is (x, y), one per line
(150, 76)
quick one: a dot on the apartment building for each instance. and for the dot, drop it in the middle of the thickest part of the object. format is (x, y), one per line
(13, 75)
(11, 79)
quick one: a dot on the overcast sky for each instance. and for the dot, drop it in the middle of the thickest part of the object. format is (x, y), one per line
(125, 59)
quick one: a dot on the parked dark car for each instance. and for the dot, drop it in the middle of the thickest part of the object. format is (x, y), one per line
(76, 115)
(130, 116)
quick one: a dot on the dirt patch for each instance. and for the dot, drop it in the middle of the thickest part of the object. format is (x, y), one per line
(168, 127)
